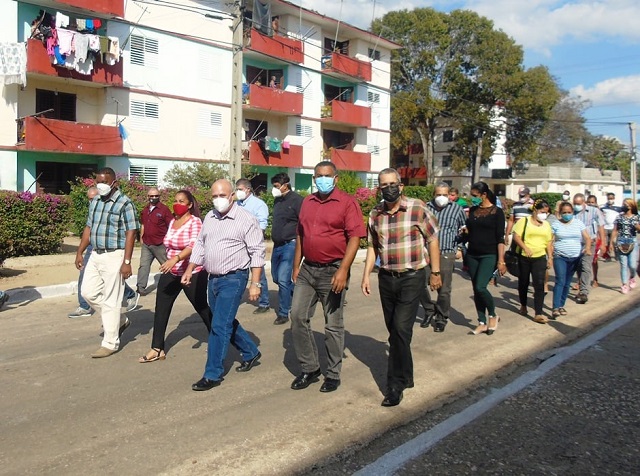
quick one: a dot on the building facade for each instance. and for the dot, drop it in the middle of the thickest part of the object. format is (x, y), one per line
(155, 90)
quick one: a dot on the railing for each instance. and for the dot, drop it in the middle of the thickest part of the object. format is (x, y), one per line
(346, 65)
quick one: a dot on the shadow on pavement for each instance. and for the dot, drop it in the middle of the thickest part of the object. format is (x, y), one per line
(372, 353)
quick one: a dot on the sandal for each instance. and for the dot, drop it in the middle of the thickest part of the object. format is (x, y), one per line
(563, 311)
(540, 319)
(159, 355)
(481, 329)
(555, 314)
(493, 324)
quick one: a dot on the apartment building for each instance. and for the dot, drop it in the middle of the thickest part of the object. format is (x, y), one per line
(157, 91)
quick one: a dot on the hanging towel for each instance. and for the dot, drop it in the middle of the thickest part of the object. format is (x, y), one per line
(84, 67)
(97, 23)
(104, 45)
(113, 54)
(13, 63)
(82, 46)
(51, 42)
(65, 37)
(94, 42)
(58, 58)
(90, 25)
(123, 132)
(70, 61)
(62, 21)
(82, 24)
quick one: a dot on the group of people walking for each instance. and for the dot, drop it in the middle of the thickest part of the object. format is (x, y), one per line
(212, 260)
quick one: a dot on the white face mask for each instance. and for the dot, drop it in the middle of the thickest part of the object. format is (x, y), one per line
(221, 204)
(611, 202)
(565, 197)
(276, 192)
(241, 194)
(441, 201)
(104, 189)
(542, 216)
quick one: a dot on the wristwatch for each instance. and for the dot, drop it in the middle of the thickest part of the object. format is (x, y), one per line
(435, 273)
(257, 285)
(127, 261)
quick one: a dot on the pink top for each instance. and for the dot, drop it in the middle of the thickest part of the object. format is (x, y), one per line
(176, 240)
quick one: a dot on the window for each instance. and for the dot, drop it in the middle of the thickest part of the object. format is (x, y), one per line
(337, 93)
(144, 51)
(373, 149)
(304, 131)
(373, 97)
(63, 104)
(256, 129)
(145, 116)
(263, 76)
(374, 54)
(148, 174)
(447, 136)
(446, 161)
(209, 124)
(339, 46)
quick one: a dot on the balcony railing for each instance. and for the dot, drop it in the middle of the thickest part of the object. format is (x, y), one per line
(348, 159)
(276, 46)
(346, 113)
(345, 65)
(52, 135)
(290, 156)
(38, 62)
(274, 100)
(106, 7)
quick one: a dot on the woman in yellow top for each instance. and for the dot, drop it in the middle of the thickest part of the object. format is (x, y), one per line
(536, 251)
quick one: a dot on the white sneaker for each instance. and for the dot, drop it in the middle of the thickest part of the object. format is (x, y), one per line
(80, 312)
(132, 302)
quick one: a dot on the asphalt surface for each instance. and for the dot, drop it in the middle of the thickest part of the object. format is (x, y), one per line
(65, 413)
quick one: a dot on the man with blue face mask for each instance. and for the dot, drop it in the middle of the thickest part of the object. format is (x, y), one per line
(330, 227)
(593, 220)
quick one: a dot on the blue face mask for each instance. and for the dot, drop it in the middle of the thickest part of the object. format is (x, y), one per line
(476, 201)
(325, 185)
(578, 208)
(567, 216)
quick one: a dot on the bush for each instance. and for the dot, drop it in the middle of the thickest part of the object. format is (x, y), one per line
(550, 198)
(32, 224)
(424, 193)
(349, 182)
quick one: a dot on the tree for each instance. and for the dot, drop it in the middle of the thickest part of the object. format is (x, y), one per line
(201, 174)
(609, 154)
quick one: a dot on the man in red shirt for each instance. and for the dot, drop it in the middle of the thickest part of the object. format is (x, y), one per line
(330, 227)
(154, 220)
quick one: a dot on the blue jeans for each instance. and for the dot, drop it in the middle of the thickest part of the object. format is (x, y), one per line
(263, 300)
(563, 269)
(128, 292)
(225, 294)
(281, 270)
(628, 264)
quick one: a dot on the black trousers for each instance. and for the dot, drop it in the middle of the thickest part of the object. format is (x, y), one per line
(536, 269)
(400, 297)
(440, 308)
(169, 288)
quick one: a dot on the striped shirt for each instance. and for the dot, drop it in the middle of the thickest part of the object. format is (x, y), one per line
(176, 240)
(229, 242)
(592, 218)
(450, 219)
(110, 219)
(258, 208)
(568, 238)
(401, 237)
(522, 209)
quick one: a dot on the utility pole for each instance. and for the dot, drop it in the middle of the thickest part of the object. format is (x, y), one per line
(235, 147)
(634, 180)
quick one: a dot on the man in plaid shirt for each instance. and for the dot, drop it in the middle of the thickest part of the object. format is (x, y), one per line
(399, 230)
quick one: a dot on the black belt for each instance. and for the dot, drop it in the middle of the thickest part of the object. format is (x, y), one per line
(106, 250)
(235, 271)
(313, 264)
(280, 243)
(399, 274)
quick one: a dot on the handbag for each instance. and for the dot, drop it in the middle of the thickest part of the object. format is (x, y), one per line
(624, 248)
(512, 255)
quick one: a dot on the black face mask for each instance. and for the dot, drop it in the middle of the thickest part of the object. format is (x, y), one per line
(391, 193)
(624, 209)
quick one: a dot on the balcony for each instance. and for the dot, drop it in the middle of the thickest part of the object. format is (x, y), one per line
(291, 157)
(38, 62)
(342, 65)
(348, 159)
(346, 113)
(277, 46)
(274, 100)
(51, 135)
(104, 7)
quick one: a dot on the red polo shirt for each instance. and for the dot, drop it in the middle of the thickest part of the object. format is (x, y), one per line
(156, 223)
(326, 226)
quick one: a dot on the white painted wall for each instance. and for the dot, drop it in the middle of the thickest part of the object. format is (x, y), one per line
(9, 22)
(8, 170)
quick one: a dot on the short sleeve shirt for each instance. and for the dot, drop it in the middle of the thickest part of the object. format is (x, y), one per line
(535, 237)
(626, 225)
(568, 238)
(109, 220)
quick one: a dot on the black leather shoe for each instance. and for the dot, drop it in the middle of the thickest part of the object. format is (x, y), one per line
(439, 326)
(305, 379)
(246, 365)
(281, 320)
(205, 384)
(330, 385)
(261, 309)
(410, 384)
(581, 298)
(393, 398)
(426, 321)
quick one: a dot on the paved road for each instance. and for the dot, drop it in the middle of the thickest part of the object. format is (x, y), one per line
(65, 413)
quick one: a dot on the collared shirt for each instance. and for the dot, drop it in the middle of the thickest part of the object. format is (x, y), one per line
(326, 226)
(401, 237)
(592, 218)
(229, 242)
(610, 213)
(155, 219)
(450, 219)
(258, 208)
(110, 219)
(522, 209)
(286, 210)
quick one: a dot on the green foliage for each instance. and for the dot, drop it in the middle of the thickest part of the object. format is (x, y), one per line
(32, 224)
(550, 198)
(423, 193)
(201, 174)
(349, 182)
(609, 154)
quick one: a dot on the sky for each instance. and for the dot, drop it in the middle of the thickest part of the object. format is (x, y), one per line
(591, 47)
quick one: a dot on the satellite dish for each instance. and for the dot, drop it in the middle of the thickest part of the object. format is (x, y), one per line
(545, 185)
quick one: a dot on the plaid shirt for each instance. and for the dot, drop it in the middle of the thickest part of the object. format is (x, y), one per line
(109, 220)
(401, 238)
